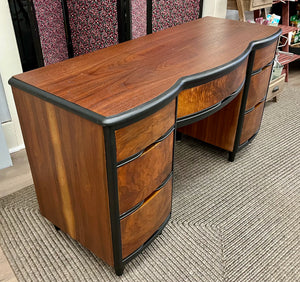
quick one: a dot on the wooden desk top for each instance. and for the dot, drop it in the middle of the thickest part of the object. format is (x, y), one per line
(120, 78)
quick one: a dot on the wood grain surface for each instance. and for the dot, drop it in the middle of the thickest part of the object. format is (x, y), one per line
(138, 227)
(258, 87)
(252, 121)
(264, 56)
(139, 178)
(199, 98)
(218, 129)
(67, 159)
(139, 135)
(121, 77)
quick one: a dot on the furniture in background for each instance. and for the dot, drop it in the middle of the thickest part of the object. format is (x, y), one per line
(286, 57)
(68, 28)
(248, 5)
(99, 129)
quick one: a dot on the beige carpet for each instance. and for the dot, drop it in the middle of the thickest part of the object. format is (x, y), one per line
(231, 221)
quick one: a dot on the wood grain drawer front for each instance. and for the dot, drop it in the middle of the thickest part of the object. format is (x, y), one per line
(139, 178)
(139, 226)
(258, 87)
(139, 135)
(264, 56)
(252, 122)
(199, 98)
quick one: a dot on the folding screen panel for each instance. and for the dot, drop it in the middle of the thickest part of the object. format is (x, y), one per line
(138, 18)
(168, 13)
(50, 24)
(67, 28)
(93, 24)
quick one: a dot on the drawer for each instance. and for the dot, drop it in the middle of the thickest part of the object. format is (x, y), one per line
(199, 98)
(276, 86)
(140, 177)
(264, 56)
(258, 87)
(252, 122)
(259, 4)
(139, 226)
(139, 135)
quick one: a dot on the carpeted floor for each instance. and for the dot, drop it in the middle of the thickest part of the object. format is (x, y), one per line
(230, 222)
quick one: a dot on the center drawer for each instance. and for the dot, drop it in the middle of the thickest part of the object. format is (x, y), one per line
(139, 226)
(140, 177)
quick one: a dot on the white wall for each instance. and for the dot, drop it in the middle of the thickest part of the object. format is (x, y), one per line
(9, 65)
(215, 8)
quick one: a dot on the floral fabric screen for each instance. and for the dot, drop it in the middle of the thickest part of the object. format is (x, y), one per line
(168, 13)
(93, 24)
(138, 18)
(50, 23)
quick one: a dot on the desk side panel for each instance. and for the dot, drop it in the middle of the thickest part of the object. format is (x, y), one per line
(67, 159)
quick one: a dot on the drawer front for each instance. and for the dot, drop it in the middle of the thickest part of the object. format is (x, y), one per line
(252, 122)
(199, 98)
(139, 226)
(276, 87)
(259, 4)
(258, 87)
(139, 135)
(264, 56)
(139, 178)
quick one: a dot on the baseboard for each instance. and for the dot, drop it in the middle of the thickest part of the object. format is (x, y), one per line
(16, 149)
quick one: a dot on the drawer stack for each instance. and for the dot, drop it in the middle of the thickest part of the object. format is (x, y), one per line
(144, 153)
(244, 112)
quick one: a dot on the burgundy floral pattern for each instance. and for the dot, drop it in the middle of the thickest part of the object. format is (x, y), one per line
(138, 18)
(168, 13)
(93, 23)
(51, 30)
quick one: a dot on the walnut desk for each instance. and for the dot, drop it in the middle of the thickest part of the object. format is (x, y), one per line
(99, 128)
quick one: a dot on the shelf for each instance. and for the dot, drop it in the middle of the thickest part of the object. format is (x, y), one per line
(286, 58)
(286, 28)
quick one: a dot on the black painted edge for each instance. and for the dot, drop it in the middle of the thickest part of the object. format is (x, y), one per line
(140, 112)
(112, 182)
(148, 242)
(60, 102)
(138, 154)
(208, 111)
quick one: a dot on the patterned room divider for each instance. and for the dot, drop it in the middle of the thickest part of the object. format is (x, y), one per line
(68, 28)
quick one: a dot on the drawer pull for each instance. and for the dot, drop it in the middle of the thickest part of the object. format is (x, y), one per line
(275, 89)
(137, 155)
(165, 182)
(136, 207)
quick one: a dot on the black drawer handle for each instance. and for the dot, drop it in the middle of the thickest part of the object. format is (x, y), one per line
(275, 89)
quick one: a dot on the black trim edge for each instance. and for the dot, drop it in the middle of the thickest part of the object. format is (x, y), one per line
(140, 112)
